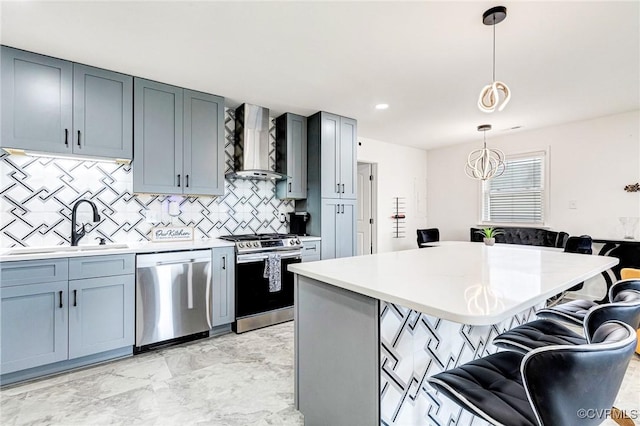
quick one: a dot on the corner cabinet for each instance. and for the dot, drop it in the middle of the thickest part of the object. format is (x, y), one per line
(291, 156)
(61, 310)
(179, 140)
(54, 106)
(331, 186)
(223, 294)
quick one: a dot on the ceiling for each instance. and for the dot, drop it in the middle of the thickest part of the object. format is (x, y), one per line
(563, 61)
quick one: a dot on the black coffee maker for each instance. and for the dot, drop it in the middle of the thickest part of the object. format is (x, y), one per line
(298, 222)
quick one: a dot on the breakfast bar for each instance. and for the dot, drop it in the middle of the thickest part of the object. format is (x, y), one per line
(370, 330)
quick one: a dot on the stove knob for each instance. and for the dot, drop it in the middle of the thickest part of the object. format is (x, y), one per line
(292, 242)
(297, 240)
(240, 245)
(256, 244)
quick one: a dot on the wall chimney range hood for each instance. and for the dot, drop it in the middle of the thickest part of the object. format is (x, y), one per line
(252, 145)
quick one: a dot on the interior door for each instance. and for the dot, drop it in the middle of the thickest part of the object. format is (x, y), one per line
(364, 211)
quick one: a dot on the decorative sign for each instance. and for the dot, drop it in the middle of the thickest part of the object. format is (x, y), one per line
(172, 233)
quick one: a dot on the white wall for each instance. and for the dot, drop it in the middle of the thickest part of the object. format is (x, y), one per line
(589, 162)
(401, 173)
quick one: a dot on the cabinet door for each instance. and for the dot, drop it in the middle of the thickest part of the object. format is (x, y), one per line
(330, 151)
(223, 295)
(101, 314)
(348, 155)
(34, 325)
(203, 162)
(36, 102)
(329, 227)
(346, 229)
(297, 158)
(157, 151)
(102, 113)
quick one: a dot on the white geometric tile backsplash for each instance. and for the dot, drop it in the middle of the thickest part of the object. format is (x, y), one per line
(37, 194)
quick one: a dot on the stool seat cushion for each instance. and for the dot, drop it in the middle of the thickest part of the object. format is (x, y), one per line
(537, 334)
(571, 312)
(490, 386)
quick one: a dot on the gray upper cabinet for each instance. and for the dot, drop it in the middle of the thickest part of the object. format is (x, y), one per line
(179, 140)
(291, 156)
(203, 162)
(58, 107)
(336, 138)
(102, 113)
(36, 102)
(223, 295)
(157, 151)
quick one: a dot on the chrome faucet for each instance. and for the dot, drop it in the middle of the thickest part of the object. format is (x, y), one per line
(75, 234)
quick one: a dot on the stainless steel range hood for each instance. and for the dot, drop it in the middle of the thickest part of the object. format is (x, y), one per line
(252, 145)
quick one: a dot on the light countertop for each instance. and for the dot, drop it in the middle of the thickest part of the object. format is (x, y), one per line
(38, 253)
(465, 282)
(309, 238)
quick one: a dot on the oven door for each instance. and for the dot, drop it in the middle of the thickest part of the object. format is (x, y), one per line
(252, 288)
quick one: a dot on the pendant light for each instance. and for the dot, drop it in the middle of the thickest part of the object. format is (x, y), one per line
(491, 94)
(485, 163)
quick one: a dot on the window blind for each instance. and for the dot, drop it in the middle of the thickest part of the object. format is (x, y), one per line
(518, 195)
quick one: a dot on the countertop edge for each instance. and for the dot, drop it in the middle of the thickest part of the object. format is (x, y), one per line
(134, 248)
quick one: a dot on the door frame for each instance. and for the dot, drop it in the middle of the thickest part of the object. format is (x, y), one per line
(374, 204)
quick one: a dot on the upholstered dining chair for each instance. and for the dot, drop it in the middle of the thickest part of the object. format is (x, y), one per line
(547, 386)
(429, 235)
(582, 245)
(627, 274)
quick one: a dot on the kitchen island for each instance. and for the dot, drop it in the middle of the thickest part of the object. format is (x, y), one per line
(369, 330)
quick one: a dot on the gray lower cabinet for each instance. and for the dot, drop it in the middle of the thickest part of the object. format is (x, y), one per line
(63, 309)
(55, 106)
(311, 251)
(34, 325)
(338, 228)
(179, 140)
(291, 156)
(101, 314)
(223, 294)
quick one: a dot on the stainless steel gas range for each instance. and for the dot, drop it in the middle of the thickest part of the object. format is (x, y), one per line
(264, 287)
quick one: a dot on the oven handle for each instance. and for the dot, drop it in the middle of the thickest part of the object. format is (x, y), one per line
(247, 258)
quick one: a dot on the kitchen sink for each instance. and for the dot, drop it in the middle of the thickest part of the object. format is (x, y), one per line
(63, 249)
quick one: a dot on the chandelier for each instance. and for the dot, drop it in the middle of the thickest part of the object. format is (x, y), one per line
(485, 163)
(491, 94)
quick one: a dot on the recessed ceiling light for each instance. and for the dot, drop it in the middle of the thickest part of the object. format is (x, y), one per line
(382, 106)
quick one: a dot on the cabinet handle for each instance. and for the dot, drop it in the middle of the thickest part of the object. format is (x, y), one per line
(289, 186)
(78, 137)
(224, 262)
(66, 137)
(60, 294)
(75, 297)
(337, 208)
(178, 181)
(343, 208)
(186, 177)
(338, 191)
(343, 188)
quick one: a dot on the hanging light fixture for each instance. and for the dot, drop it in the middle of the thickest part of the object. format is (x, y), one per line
(485, 163)
(491, 94)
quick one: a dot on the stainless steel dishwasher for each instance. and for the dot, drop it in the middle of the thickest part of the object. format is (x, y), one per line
(173, 297)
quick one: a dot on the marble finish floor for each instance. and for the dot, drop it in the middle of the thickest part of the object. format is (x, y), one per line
(231, 380)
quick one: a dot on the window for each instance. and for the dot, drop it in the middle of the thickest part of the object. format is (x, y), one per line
(518, 196)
